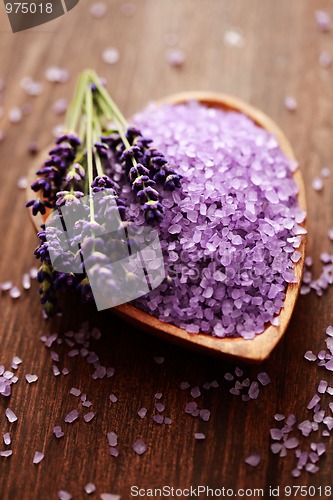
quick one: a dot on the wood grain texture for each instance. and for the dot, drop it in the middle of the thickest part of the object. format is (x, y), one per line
(280, 57)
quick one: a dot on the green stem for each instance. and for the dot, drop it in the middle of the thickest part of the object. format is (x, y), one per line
(89, 145)
(109, 101)
(75, 108)
(97, 138)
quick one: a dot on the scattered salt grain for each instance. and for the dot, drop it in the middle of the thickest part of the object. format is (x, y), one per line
(290, 103)
(159, 360)
(263, 378)
(6, 438)
(109, 496)
(158, 419)
(159, 407)
(60, 106)
(72, 416)
(322, 386)
(291, 443)
(253, 460)
(31, 87)
(114, 452)
(158, 395)
(317, 184)
(323, 20)
(113, 398)
(22, 183)
(313, 402)
(57, 431)
(199, 436)
(31, 378)
(38, 457)
(55, 370)
(64, 495)
(111, 55)
(14, 292)
(139, 447)
(195, 392)
(309, 356)
(204, 415)
(6, 453)
(26, 282)
(184, 386)
(112, 438)
(15, 115)
(10, 415)
(176, 58)
(89, 416)
(234, 38)
(54, 74)
(75, 392)
(90, 488)
(325, 59)
(98, 10)
(142, 412)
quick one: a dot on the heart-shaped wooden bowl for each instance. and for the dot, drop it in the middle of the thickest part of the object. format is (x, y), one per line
(259, 348)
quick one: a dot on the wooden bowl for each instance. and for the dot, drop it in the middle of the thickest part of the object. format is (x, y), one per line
(259, 348)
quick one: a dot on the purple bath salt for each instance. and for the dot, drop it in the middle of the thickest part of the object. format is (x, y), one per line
(142, 412)
(199, 436)
(38, 457)
(253, 460)
(232, 225)
(72, 416)
(139, 447)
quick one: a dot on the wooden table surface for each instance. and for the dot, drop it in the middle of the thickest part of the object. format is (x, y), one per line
(279, 57)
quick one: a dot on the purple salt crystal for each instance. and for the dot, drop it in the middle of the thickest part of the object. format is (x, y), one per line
(54, 74)
(305, 427)
(73, 353)
(109, 496)
(229, 377)
(6, 453)
(159, 360)
(6, 438)
(139, 447)
(10, 415)
(263, 378)
(234, 391)
(329, 391)
(142, 412)
(321, 449)
(291, 420)
(290, 103)
(317, 184)
(276, 448)
(313, 402)
(325, 59)
(64, 495)
(167, 420)
(16, 360)
(184, 386)
(323, 20)
(110, 372)
(199, 436)
(114, 452)
(295, 472)
(65, 371)
(159, 407)
(38, 457)
(214, 384)
(278, 417)
(254, 390)
(111, 55)
(328, 421)
(75, 392)
(311, 468)
(191, 407)
(206, 386)
(31, 378)
(329, 365)
(276, 434)
(72, 416)
(55, 370)
(90, 488)
(55, 356)
(204, 415)
(112, 438)
(291, 443)
(322, 386)
(89, 416)
(113, 398)
(331, 406)
(175, 57)
(313, 457)
(195, 392)
(253, 460)
(158, 419)
(325, 433)
(98, 9)
(158, 395)
(238, 372)
(87, 404)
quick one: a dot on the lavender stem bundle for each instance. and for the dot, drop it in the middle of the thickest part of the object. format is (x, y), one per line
(84, 161)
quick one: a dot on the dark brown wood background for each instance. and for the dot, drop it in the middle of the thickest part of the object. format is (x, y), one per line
(280, 57)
